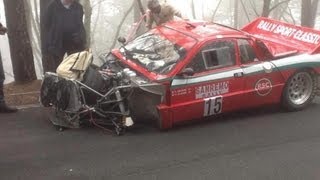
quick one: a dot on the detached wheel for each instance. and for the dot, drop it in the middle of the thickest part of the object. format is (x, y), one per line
(48, 90)
(299, 91)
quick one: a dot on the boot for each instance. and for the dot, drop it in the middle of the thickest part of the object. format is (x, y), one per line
(4, 108)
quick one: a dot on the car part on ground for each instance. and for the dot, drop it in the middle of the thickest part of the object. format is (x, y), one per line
(94, 98)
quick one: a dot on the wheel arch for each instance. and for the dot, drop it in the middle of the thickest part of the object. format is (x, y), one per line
(289, 73)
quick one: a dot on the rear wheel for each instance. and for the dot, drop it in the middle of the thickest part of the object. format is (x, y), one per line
(299, 91)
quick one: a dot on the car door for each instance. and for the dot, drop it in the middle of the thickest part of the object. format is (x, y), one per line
(215, 87)
(263, 81)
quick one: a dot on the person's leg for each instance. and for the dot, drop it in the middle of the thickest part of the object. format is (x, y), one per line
(3, 106)
(52, 62)
(71, 47)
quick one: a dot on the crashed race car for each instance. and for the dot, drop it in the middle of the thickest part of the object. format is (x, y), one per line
(185, 70)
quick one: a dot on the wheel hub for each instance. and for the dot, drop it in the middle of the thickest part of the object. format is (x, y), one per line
(300, 88)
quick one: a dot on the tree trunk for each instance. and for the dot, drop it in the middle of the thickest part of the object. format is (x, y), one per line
(45, 58)
(216, 10)
(139, 10)
(87, 19)
(126, 14)
(140, 7)
(20, 45)
(34, 31)
(266, 8)
(236, 14)
(193, 10)
(308, 12)
(277, 12)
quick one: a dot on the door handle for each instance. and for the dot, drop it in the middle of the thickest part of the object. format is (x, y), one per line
(238, 74)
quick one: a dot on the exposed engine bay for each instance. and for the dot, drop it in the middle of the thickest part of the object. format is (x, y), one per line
(108, 97)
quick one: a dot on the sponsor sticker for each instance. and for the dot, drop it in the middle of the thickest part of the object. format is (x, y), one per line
(263, 87)
(181, 92)
(211, 90)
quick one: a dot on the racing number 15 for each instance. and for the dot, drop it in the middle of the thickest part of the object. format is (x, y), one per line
(212, 106)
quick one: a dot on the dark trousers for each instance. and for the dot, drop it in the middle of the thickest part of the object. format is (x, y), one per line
(52, 62)
(1, 81)
(68, 47)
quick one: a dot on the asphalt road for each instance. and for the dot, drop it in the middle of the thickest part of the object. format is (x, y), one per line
(259, 144)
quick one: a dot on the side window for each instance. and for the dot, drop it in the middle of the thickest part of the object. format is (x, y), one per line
(197, 63)
(214, 55)
(264, 49)
(247, 53)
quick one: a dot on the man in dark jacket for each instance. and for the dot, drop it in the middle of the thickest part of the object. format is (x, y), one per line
(3, 106)
(64, 31)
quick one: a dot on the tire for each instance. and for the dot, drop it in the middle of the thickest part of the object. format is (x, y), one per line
(63, 94)
(299, 90)
(48, 90)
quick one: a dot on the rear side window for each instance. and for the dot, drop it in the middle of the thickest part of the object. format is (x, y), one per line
(217, 54)
(247, 53)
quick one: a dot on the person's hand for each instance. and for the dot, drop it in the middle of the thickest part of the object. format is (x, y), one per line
(76, 38)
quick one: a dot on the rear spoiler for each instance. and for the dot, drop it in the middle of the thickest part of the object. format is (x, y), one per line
(295, 38)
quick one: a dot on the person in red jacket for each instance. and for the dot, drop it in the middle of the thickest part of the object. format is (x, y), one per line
(4, 108)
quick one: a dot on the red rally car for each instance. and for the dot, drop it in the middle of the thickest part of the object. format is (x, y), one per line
(184, 70)
(202, 69)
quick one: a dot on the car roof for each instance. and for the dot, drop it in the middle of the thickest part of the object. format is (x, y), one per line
(203, 30)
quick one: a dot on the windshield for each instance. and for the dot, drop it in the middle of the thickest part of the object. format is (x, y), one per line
(154, 52)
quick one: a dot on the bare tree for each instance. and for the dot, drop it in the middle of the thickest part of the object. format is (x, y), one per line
(126, 14)
(193, 10)
(140, 7)
(268, 8)
(45, 58)
(139, 10)
(308, 12)
(94, 28)
(20, 45)
(33, 22)
(236, 14)
(87, 19)
(216, 10)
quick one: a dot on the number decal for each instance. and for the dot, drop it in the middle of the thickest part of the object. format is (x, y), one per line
(212, 106)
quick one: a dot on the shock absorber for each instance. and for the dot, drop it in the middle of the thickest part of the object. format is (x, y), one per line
(127, 121)
(121, 105)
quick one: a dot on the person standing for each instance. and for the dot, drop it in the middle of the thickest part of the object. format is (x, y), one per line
(4, 108)
(64, 31)
(160, 13)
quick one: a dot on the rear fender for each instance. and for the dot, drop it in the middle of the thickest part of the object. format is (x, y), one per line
(290, 72)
